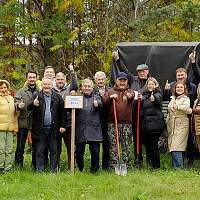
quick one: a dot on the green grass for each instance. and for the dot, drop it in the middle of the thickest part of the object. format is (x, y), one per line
(137, 185)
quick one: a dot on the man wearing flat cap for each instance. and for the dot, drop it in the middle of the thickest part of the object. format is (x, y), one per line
(123, 100)
(137, 84)
(142, 67)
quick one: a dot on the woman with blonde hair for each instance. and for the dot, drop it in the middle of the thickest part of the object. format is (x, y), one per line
(152, 121)
(8, 125)
(178, 124)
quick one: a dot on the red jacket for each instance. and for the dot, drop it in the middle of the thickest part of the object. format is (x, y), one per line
(123, 105)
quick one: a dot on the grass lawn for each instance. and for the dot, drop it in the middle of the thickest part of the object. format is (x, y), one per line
(137, 185)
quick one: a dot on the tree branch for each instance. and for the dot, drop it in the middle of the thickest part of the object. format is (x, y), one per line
(125, 23)
(39, 7)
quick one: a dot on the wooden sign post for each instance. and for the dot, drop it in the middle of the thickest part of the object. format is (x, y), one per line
(74, 102)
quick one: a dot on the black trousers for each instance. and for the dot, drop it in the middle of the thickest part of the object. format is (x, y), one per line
(21, 141)
(47, 141)
(105, 149)
(190, 149)
(94, 148)
(190, 146)
(33, 152)
(152, 151)
(138, 157)
(66, 136)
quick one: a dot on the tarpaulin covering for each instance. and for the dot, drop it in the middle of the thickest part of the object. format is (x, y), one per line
(163, 58)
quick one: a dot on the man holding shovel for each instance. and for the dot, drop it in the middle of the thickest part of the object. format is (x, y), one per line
(118, 100)
(136, 83)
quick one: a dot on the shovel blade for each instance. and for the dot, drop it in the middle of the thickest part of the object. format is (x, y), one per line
(118, 169)
(121, 169)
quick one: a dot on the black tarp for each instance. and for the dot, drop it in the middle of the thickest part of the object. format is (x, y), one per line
(163, 58)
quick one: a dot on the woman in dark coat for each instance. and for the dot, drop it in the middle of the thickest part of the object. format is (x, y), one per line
(88, 127)
(152, 121)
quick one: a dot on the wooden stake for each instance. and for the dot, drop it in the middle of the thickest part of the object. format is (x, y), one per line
(72, 140)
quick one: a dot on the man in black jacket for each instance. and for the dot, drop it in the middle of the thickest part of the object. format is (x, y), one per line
(100, 89)
(48, 124)
(63, 89)
(181, 76)
(195, 63)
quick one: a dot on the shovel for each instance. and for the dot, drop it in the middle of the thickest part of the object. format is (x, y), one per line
(120, 169)
(138, 134)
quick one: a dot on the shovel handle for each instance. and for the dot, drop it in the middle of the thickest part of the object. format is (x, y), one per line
(116, 129)
(138, 127)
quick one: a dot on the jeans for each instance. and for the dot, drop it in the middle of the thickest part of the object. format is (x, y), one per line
(47, 141)
(21, 141)
(177, 159)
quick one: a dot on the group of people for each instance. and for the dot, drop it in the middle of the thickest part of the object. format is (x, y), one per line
(38, 109)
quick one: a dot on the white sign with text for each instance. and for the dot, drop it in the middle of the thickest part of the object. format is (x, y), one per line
(74, 101)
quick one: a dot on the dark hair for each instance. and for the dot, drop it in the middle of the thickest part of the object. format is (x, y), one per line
(31, 71)
(174, 88)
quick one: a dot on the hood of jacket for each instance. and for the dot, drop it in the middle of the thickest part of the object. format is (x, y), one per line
(8, 86)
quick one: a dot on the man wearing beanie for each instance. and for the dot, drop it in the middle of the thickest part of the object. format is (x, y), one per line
(137, 84)
(123, 100)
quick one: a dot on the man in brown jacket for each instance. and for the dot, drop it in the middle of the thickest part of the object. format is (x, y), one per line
(123, 98)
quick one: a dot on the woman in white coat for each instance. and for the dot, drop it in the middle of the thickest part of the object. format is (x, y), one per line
(178, 124)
